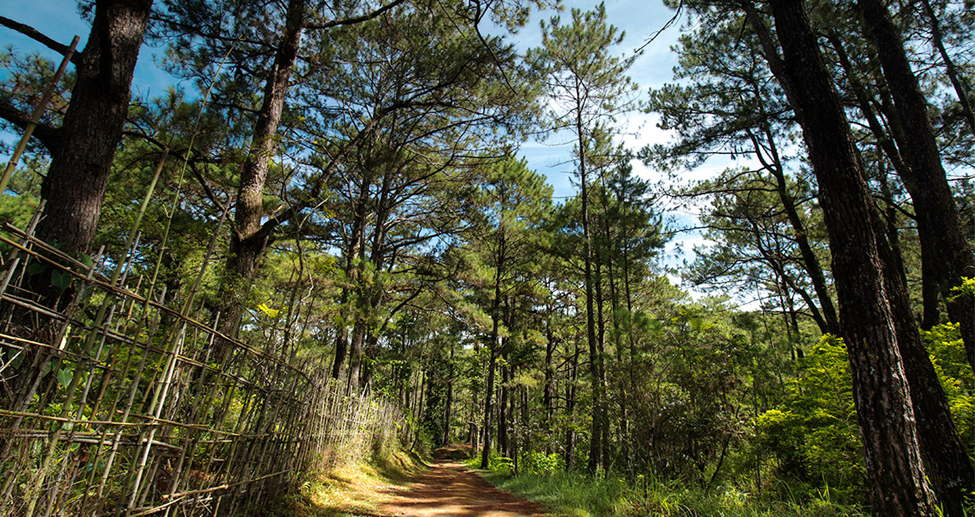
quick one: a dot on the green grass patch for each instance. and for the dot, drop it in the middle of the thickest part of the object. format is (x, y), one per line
(576, 495)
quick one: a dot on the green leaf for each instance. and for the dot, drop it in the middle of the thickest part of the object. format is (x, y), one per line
(86, 260)
(60, 279)
(64, 376)
(36, 268)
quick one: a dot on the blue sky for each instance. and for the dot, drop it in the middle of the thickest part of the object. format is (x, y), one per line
(639, 19)
(60, 20)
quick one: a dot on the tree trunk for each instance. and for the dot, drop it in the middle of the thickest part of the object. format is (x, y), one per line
(351, 293)
(419, 403)
(81, 160)
(884, 409)
(249, 240)
(938, 225)
(570, 409)
(946, 461)
(493, 348)
(488, 411)
(601, 409)
(250, 190)
(548, 393)
(892, 144)
(355, 354)
(341, 345)
(595, 429)
(504, 444)
(449, 404)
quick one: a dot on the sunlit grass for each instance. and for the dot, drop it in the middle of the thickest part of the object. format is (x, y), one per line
(352, 490)
(576, 495)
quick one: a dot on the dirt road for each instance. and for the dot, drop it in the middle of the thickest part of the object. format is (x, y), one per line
(450, 490)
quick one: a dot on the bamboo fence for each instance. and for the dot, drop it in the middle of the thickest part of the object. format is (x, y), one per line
(115, 404)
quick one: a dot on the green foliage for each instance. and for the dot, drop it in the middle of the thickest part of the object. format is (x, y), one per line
(813, 437)
(947, 352)
(967, 287)
(497, 463)
(534, 462)
(692, 386)
(575, 495)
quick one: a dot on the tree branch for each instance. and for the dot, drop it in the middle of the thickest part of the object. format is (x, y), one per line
(45, 134)
(354, 20)
(37, 36)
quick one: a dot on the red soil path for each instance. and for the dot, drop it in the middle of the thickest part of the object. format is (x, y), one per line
(450, 490)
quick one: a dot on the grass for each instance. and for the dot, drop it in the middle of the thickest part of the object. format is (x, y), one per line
(350, 491)
(577, 495)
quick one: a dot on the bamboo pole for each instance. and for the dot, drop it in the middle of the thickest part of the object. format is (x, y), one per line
(36, 116)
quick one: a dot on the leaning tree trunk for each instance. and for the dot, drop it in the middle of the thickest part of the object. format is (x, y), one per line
(884, 409)
(946, 462)
(81, 159)
(938, 225)
(945, 459)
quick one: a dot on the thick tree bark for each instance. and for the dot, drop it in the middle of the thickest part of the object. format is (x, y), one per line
(250, 190)
(884, 407)
(944, 455)
(891, 145)
(341, 344)
(946, 461)
(938, 225)
(81, 160)
(356, 343)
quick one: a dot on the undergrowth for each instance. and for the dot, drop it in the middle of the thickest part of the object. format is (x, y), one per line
(578, 495)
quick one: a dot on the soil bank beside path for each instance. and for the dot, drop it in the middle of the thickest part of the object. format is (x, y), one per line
(450, 490)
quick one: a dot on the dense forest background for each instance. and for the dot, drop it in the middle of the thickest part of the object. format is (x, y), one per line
(343, 180)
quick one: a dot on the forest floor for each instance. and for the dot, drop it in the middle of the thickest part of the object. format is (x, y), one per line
(450, 490)
(446, 488)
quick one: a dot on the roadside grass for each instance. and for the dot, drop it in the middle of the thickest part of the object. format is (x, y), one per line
(354, 490)
(576, 495)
